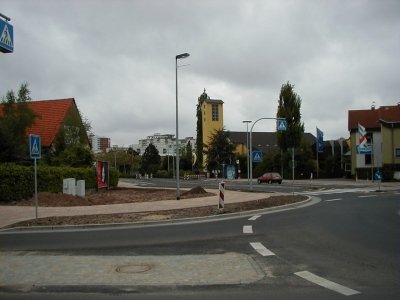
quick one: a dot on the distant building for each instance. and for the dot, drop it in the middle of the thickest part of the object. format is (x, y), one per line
(262, 141)
(165, 144)
(100, 143)
(382, 126)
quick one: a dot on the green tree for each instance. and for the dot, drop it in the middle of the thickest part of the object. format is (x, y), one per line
(151, 159)
(220, 150)
(199, 130)
(186, 161)
(77, 156)
(17, 117)
(289, 108)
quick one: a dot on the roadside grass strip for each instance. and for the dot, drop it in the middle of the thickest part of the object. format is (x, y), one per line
(248, 229)
(331, 200)
(253, 218)
(261, 249)
(327, 283)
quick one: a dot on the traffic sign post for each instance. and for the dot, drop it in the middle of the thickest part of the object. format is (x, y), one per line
(281, 126)
(6, 37)
(257, 156)
(378, 178)
(35, 146)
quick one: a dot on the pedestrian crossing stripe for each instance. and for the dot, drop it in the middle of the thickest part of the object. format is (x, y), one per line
(5, 37)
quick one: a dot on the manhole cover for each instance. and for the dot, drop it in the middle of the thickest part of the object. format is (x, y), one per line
(133, 268)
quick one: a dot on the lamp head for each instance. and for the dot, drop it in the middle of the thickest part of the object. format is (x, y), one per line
(182, 56)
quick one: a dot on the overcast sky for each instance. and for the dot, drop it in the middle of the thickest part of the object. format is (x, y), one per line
(117, 59)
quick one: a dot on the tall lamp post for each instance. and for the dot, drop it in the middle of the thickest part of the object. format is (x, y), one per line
(251, 147)
(247, 149)
(179, 56)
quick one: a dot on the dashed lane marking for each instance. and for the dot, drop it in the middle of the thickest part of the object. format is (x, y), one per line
(261, 249)
(367, 196)
(331, 200)
(341, 289)
(253, 218)
(247, 229)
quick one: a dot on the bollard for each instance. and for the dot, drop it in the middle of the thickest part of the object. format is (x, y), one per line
(221, 200)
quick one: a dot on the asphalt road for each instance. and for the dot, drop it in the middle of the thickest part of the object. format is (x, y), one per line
(349, 241)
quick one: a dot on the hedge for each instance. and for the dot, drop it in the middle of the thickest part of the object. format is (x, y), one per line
(17, 182)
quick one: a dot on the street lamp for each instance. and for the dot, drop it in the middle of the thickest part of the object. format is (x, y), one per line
(247, 149)
(180, 56)
(251, 147)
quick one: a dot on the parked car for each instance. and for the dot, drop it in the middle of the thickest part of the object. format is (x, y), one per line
(270, 178)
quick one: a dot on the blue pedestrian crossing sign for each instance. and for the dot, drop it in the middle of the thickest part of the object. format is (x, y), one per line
(281, 124)
(378, 175)
(257, 156)
(35, 146)
(6, 37)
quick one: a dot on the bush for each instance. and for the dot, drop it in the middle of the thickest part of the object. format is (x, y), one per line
(18, 181)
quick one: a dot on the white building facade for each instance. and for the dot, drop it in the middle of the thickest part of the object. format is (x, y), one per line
(165, 144)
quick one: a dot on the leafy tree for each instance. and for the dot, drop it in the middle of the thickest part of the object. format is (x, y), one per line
(289, 108)
(77, 156)
(220, 150)
(199, 130)
(186, 161)
(16, 119)
(151, 159)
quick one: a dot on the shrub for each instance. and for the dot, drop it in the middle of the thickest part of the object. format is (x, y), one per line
(17, 182)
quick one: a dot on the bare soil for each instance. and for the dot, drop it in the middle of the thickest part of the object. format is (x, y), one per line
(131, 195)
(117, 196)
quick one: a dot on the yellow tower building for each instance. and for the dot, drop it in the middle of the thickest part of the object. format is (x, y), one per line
(212, 119)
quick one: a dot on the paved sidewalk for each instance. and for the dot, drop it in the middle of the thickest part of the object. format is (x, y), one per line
(30, 271)
(13, 214)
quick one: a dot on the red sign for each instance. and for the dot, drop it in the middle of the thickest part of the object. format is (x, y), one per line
(102, 174)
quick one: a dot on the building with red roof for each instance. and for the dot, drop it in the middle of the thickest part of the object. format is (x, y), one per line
(57, 121)
(382, 126)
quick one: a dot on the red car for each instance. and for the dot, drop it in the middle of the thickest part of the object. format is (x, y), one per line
(270, 178)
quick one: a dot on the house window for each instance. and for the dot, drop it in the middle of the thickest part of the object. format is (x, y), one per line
(164, 151)
(215, 112)
(397, 152)
(368, 159)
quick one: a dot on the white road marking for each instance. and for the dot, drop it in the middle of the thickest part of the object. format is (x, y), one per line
(253, 218)
(247, 229)
(261, 249)
(367, 196)
(333, 191)
(326, 283)
(330, 200)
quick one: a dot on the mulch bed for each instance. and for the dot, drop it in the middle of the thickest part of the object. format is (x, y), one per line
(162, 215)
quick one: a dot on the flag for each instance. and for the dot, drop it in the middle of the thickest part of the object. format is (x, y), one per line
(362, 135)
(320, 141)
(362, 147)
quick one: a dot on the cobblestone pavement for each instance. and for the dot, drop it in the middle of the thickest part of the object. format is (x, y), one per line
(27, 271)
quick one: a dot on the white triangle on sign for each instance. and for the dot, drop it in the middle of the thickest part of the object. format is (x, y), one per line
(5, 37)
(257, 156)
(35, 148)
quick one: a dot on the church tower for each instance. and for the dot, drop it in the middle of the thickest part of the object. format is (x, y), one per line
(212, 119)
